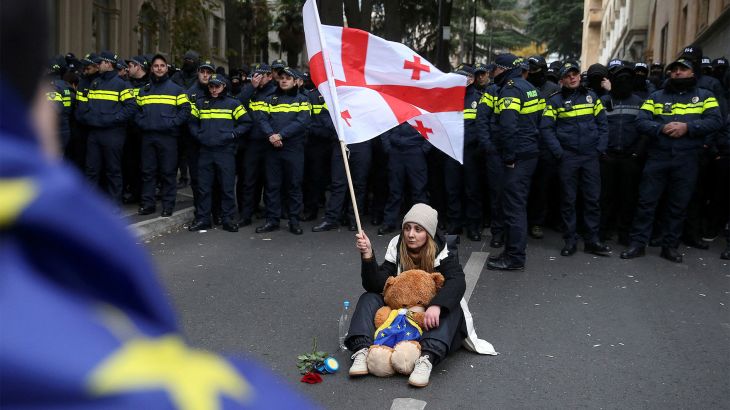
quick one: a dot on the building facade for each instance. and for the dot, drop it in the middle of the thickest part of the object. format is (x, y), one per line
(131, 27)
(653, 30)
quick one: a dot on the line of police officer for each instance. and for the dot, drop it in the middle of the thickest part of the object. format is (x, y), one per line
(528, 135)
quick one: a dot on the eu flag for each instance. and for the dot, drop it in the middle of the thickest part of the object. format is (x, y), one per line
(85, 324)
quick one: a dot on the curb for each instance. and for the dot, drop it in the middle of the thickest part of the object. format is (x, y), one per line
(153, 227)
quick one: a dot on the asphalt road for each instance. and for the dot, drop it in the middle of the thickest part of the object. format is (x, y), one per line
(577, 332)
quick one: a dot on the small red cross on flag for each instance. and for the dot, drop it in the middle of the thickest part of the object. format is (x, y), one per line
(422, 129)
(346, 116)
(372, 85)
(417, 67)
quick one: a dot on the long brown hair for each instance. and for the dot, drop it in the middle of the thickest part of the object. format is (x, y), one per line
(425, 259)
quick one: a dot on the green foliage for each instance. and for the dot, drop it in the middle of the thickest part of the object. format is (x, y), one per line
(252, 19)
(308, 361)
(559, 24)
(290, 27)
(504, 29)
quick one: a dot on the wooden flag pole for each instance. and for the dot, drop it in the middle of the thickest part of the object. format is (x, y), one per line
(346, 163)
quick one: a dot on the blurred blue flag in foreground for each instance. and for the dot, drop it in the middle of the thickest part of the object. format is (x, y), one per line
(85, 324)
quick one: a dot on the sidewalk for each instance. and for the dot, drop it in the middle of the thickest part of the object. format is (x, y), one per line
(147, 226)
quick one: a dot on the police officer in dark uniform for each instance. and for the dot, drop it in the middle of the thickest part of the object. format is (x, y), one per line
(199, 89)
(515, 135)
(546, 173)
(89, 72)
(164, 109)
(494, 167)
(257, 143)
(109, 105)
(284, 119)
(463, 182)
(677, 119)
(575, 129)
(481, 77)
(621, 166)
(642, 86)
(317, 153)
(656, 75)
(697, 210)
(62, 97)
(188, 75)
(219, 120)
(132, 157)
(406, 149)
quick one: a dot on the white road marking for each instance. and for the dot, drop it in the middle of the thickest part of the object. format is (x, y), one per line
(472, 270)
(408, 404)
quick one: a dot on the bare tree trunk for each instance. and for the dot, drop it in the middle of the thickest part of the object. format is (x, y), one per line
(359, 17)
(330, 12)
(233, 34)
(392, 29)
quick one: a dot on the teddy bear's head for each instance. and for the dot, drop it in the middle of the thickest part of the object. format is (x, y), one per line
(412, 288)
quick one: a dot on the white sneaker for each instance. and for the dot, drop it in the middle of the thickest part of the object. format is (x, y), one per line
(359, 363)
(421, 373)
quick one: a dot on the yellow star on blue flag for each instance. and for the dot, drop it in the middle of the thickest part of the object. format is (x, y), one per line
(194, 379)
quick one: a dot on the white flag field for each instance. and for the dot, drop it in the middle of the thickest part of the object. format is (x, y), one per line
(371, 85)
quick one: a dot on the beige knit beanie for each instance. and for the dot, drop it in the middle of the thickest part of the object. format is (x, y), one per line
(425, 216)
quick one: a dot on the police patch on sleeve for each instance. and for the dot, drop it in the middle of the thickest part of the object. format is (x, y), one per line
(695, 99)
(507, 102)
(589, 99)
(473, 104)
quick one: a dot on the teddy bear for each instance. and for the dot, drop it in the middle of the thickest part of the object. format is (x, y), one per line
(399, 323)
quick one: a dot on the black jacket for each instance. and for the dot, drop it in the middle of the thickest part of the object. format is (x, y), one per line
(697, 107)
(217, 123)
(403, 138)
(256, 105)
(163, 107)
(574, 120)
(448, 297)
(321, 126)
(285, 113)
(517, 111)
(623, 136)
(108, 102)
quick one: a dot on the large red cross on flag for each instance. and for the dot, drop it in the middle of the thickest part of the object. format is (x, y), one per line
(371, 85)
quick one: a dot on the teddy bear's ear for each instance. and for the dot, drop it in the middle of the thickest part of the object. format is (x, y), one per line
(390, 281)
(438, 279)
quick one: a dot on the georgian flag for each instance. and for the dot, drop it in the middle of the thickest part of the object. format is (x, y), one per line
(371, 85)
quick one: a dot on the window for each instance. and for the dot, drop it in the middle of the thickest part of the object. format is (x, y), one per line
(217, 40)
(101, 24)
(663, 44)
(682, 28)
(703, 14)
(148, 28)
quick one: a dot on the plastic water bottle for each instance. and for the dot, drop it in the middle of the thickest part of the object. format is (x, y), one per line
(344, 325)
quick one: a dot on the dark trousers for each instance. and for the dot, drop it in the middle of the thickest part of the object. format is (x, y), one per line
(580, 170)
(464, 190)
(216, 167)
(317, 159)
(495, 183)
(131, 165)
(192, 158)
(514, 208)
(159, 158)
(378, 179)
(359, 161)
(437, 343)
(104, 156)
(698, 210)
(182, 156)
(408, 165)
(436, 181)
(284, 165)
(720, 199)
(543, 200)
(254, 158)
(675, 174)
(620, 176)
